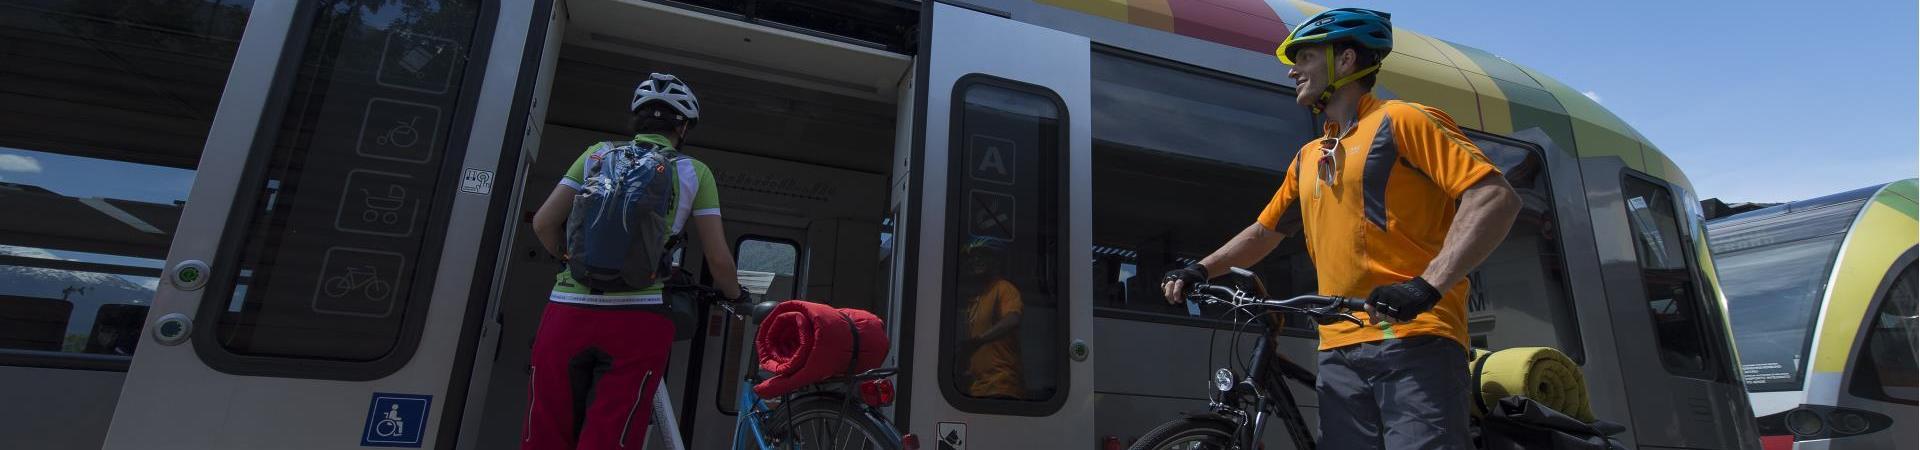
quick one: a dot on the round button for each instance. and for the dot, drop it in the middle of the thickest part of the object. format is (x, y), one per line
(189, 275)
(172, 329)
(1079, 350)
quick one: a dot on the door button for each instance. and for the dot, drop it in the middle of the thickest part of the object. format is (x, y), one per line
(172, 329)
(189, 275)
(1079, 350)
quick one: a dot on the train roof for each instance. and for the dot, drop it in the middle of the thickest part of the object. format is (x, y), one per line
(1889, 192)
(1480, 90)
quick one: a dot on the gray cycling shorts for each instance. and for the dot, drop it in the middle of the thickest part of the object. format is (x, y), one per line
(1398, 394)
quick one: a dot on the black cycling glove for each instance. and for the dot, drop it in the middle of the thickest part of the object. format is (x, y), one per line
(1193, 274)
(1405, 300)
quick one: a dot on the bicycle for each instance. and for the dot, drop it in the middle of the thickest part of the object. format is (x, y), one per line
(818, 416)
(1241, 401)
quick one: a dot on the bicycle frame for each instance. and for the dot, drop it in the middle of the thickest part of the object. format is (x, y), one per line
(747, 427)
(1267, 379)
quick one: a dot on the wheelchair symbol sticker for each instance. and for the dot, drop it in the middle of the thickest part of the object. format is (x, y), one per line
(398, 131)
(396, 420)
(379, 203)
(358, 282)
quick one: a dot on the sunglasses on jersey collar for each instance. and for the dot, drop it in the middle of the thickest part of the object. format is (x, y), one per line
(1329, 163)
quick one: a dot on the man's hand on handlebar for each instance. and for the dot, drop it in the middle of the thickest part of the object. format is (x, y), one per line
(1401, 302)
(1180, 282)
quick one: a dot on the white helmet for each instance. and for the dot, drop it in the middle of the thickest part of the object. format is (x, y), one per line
(661, 87)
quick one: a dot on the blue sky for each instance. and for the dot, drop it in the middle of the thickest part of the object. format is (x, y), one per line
(1757, 101)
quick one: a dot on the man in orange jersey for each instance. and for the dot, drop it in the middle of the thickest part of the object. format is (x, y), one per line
(1396, 206)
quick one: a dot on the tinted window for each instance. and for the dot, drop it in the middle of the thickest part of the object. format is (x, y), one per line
(339, 241)
(1667, 274)
(1003, 258)
(1520, 295)
(104, 109)
(1183, 160)
(1152, 106)
(1887, 366)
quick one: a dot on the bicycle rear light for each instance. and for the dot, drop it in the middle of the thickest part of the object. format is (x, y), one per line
(877, 393)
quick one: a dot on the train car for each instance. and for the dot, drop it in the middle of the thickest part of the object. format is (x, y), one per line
(301, 212)
(1821, 294)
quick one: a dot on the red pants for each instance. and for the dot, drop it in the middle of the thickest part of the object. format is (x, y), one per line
(594, 375)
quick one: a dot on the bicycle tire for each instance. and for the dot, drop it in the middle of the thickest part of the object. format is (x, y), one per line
(1187, 433)
(806, 419)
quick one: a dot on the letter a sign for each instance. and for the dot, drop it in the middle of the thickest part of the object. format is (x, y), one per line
(990, 158)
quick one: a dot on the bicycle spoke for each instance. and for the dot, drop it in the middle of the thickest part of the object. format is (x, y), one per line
(840, 431)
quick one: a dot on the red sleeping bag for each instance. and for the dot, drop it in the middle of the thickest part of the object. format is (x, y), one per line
(803, 342)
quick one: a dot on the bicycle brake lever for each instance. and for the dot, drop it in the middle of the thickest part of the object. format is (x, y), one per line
(1351, 318)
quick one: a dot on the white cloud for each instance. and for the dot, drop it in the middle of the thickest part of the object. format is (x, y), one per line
(17, 163)
(1591, 95)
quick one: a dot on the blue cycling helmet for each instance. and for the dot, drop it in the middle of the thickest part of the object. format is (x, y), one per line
(1366, 27)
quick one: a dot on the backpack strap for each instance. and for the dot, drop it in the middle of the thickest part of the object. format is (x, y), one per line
(592, 164)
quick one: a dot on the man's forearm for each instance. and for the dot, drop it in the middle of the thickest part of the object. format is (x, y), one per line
(1243, 250)
(1486, 215)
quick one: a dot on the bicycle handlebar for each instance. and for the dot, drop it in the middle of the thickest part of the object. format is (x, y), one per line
(1312, 305)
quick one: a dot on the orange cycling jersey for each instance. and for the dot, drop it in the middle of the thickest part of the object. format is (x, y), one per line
(1396, 179)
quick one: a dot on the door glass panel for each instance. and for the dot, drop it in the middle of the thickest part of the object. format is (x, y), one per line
(775, 257)
(104, 108)
(339, 240)
(1667, 274)
(1004, 297)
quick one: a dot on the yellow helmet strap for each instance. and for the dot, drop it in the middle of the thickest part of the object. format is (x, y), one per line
(1327, 94)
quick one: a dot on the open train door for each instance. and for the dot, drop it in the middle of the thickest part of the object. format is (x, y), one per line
(995, 316)
(337, 249)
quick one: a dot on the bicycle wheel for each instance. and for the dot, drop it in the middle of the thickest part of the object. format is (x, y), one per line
(1187, 434)
(827, 423)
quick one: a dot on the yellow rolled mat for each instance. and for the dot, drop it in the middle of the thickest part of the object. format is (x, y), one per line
(1540, 373)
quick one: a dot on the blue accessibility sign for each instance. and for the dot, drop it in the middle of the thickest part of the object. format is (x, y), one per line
(396, 420)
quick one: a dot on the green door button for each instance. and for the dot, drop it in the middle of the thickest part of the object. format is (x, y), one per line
(189, 275)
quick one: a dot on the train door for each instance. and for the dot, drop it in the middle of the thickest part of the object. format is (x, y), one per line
(996, 283)
(763, 244)
(322, 288)
(1667, 316)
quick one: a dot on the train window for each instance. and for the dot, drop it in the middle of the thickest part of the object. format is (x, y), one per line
(777, 257)
(1182, 160)
(340, 242)
(1004, 281)
(1520, 295)
(1774, 273)
(1886, 369)
(1668, 276)
(104, 109)
(1148, 105)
